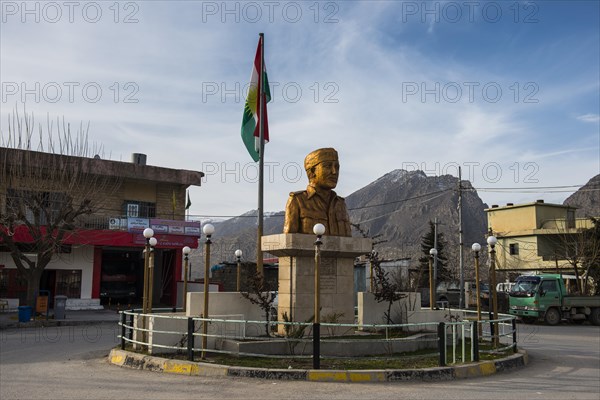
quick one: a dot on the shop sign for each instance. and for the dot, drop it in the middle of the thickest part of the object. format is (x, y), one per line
(137, 224)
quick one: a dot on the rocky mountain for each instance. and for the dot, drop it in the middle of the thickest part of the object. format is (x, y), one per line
(586, 199)
(398, 206)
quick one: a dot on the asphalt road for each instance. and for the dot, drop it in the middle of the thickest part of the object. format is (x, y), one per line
(70, 363)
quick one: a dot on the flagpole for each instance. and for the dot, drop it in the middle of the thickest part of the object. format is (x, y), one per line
(261, 163)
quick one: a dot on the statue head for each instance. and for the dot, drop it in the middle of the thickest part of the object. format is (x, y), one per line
(322, 168)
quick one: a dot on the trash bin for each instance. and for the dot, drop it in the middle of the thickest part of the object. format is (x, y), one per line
(24, 313)
(60, 303)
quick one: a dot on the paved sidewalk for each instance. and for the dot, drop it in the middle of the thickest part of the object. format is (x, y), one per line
(85, 317)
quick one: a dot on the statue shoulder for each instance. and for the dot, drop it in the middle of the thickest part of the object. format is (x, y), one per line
(338, 197)
(298, 193)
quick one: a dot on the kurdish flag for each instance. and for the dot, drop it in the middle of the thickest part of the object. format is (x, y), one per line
(252, 113)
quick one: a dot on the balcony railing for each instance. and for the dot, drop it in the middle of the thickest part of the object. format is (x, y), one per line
(121, 223)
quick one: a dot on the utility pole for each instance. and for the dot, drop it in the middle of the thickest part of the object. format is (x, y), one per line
(461, 301)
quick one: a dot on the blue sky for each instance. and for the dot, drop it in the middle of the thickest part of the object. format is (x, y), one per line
(509, 90)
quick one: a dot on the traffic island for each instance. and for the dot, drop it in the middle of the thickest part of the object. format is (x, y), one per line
(128, 359)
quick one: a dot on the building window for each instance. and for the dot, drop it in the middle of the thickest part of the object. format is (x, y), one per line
(37, 207)
(513, 249)
(68, 283)
(139, 209)
(570, 219)
(133, 210)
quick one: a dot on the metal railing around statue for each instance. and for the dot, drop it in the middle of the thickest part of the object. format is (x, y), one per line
(172, 334)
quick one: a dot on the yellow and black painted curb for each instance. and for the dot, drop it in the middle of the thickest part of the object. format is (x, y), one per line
(133, 360)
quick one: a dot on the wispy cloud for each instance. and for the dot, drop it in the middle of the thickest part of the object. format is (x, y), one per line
(364, 77)
(589, 118)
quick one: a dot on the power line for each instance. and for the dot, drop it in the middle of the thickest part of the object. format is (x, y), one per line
(390, 213)
(532, 187)
(399, 201)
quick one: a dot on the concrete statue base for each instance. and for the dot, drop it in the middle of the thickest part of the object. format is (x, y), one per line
(296, 254)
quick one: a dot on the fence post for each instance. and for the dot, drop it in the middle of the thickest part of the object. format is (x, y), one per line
(131, 316)
(123, 319)
(442, 343)
(475, 341)
(190, 339)
(514, 326)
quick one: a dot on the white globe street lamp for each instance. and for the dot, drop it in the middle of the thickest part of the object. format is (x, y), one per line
(186, 252)
(432, 277)
(238, 256)
(319, 230)
(476, 247)
(492, 241)
(208, 230)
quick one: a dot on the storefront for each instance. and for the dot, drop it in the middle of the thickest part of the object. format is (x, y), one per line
(96, 268)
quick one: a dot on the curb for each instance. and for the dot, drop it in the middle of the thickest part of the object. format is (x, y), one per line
(127, 359)
(49, 323)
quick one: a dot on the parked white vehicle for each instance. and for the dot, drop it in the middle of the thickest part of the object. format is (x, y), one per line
(504, 287)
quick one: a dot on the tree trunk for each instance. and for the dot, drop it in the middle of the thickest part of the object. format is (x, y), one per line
(268, 320)
(33, 285)
(577, 280)
(587, 280)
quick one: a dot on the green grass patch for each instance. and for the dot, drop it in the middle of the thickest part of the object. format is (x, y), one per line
(393, 362)
(426, 358)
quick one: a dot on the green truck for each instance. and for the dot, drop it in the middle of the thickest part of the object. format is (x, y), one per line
(545, 297)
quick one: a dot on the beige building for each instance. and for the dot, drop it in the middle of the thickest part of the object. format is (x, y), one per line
(101, 261)
(535, 236)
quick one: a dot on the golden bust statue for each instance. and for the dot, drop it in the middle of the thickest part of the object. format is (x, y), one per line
(318, 203)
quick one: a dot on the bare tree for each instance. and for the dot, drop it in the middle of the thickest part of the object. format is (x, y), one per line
(48, 185)
(260, 293)
(580, 247)
(386, 289)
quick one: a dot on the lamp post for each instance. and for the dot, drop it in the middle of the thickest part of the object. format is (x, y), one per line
(319, 230)
(476, 247)
(186, 252)
(153, 242)
(148, 234)
(491, 240)
(208, 231)
(432, 254)
(238, 255)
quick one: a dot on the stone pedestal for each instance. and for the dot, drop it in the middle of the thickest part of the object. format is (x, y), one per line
(296, 254)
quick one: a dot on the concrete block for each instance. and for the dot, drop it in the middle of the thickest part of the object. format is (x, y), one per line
(211, 370)
(366, 376)
(117, 357)
(511, 362)
(466, 371)
(327, 376)
(487, 368)
(180, 367)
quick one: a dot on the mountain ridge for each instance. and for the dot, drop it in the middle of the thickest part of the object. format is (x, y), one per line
(397, 206)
